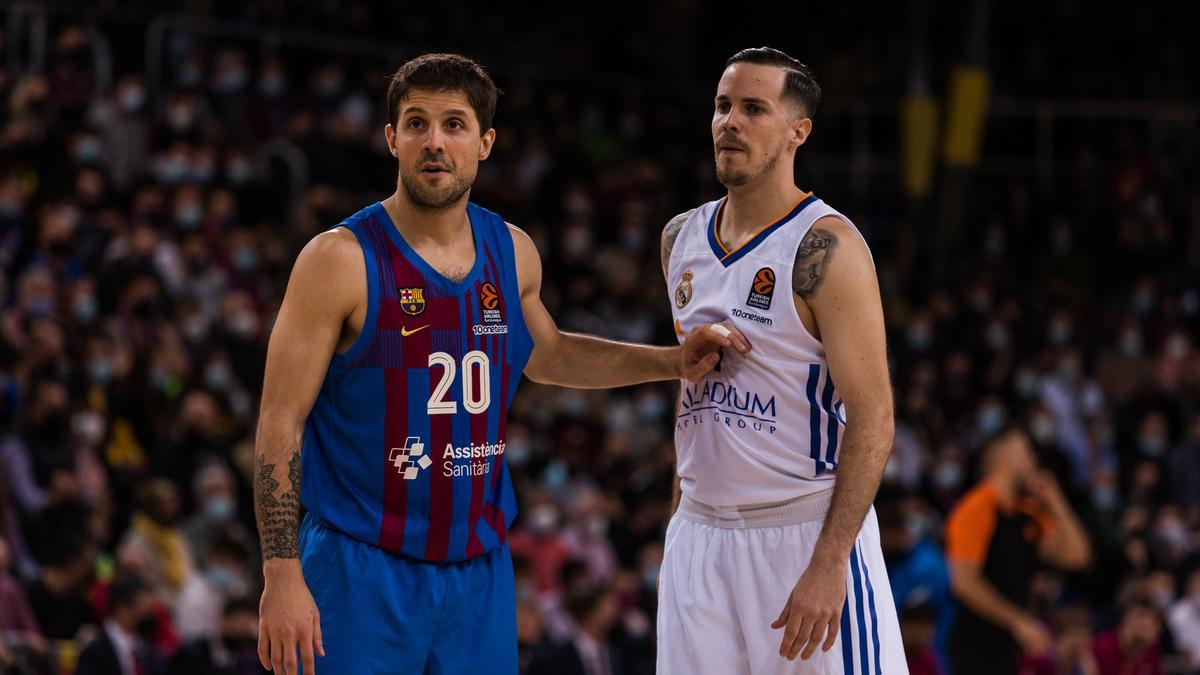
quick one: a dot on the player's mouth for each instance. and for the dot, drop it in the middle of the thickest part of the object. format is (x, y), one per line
(729, 148)
(431, 169)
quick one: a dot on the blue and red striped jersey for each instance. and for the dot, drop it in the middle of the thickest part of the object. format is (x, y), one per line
(404, 446)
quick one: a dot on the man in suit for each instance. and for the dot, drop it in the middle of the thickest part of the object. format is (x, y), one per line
(591, 651)
(122, 645)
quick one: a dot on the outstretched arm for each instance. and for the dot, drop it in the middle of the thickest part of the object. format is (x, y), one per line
(590, 362)
(835, 278)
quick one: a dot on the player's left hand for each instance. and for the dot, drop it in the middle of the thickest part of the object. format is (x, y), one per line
(702, 348)
(813, 611)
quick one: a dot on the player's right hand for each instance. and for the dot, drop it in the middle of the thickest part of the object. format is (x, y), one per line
(702, 348)
(288, 622)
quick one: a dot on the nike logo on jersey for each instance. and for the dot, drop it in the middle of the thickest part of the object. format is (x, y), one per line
(404, 332)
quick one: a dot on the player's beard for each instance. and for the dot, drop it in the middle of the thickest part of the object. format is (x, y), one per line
(433, 198)
(737, 177)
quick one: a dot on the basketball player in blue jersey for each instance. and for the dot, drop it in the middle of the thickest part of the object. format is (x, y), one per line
(773, 551)
(399, 345)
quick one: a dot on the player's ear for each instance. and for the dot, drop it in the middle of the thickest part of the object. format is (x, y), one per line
(800, 129)
(389, 133)
(485, 143)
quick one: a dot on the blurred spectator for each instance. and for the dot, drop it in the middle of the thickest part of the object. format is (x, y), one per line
(918, 626)
(916, 566)
(595, 612)
(994, 538)
(231, 651)
(1071, 651)
(542, 544)
(123, 645)
(155, 536)
(18, 625)
(66, 560)
(1183, 618)
(1133, 648)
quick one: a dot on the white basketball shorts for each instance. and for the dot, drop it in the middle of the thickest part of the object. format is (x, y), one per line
(726, 574)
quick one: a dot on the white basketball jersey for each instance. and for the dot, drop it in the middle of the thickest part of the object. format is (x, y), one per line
(764, 426)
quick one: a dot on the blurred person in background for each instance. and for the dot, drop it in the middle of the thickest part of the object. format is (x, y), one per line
(154, 532)
(1134, 647)
(1070, 652)
(1015, 516)
(590, 651)
(124, 645)
(232, 650)
(1183, 619)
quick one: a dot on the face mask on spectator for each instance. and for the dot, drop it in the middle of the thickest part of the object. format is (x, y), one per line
(1151, 445)
(88, 150)
(271, 85)
(990, 420)
(189, 215)
(220, 509)
(101, 370)
(88, 426)
(218, 375)
(132, 98)
(1131, 343)
(1104, 498)
(238, 172)
(1026, 383)
(948, 476)
(40, 307)
(228, 581)
(543, 518)
(1042, 429)
(244, 324)
(245, 258)
(85, 308)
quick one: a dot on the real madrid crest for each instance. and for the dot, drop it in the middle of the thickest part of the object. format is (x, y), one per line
(683, 292)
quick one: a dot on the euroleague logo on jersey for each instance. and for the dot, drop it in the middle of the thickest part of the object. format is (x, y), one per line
(761, 289)
(491, 310)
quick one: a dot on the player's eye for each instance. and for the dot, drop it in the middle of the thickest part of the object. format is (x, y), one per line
(455, 124)
(414, 123)
(753, 109)
(722, 108)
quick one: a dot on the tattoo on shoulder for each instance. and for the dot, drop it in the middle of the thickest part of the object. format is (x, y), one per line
(670, 234)
(278, 515)
(812, 260)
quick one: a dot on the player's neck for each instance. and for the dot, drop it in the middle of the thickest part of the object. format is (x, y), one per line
(442, 227)
(752, 206)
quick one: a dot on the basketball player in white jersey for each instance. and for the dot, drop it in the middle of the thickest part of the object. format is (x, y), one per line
(773, 552)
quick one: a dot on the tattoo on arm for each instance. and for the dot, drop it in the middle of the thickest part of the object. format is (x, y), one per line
(669, 235)
(812, 259)
(278, 516)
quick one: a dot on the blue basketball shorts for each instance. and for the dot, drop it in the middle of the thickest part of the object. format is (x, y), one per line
(382, 612)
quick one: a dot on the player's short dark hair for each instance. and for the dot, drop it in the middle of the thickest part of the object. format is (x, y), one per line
(445, 72)
(799, 85)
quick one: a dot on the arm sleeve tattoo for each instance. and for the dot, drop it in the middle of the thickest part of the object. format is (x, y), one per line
(278, 514)
(669, 235)
(812, 259)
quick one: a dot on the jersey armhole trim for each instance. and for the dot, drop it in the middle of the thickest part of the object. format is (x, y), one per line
(367, 333)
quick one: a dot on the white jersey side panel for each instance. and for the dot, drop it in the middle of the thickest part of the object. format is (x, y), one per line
(766, 426)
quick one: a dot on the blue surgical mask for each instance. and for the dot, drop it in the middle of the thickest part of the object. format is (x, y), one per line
(85, 308)
(88, 150)
(189, 215)
(220, 509)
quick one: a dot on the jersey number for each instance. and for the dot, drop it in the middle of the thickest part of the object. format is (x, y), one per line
(475, 399)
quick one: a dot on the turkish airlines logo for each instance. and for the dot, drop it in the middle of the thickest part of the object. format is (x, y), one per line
(762, 288)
